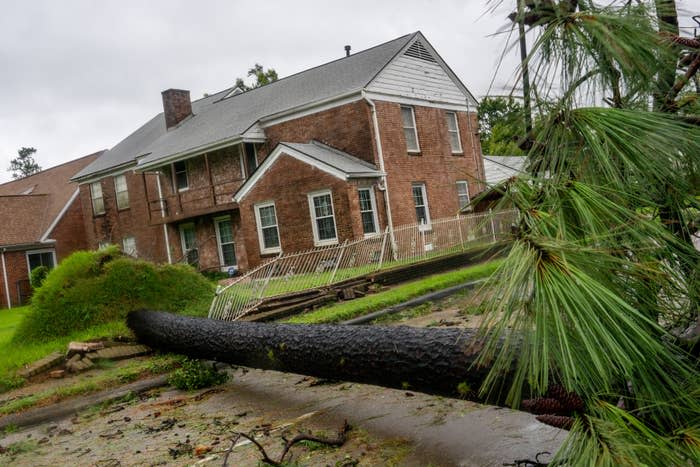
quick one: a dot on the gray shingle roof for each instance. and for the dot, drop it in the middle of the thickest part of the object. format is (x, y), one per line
(350, 165)
(500, 168)
(216, 119)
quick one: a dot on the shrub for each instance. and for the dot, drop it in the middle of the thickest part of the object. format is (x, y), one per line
(95, 287)
(195, 375)
(38, 275)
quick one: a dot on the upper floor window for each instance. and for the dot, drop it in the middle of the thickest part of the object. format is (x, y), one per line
(322, 217)
(420, 201)
(268, 232)
(408, 119)
(368, 211)
(122, 191)
(129, 246)
(251, 157)
(462, 193)
(98, 202)
(180, 176)
(453, 132)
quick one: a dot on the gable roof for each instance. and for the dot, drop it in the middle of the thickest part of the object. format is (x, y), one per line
(223, 118)
(333, 161)
(31, 205)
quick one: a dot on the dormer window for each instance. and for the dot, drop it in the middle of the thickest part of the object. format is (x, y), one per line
(180, 176)
(251, 157)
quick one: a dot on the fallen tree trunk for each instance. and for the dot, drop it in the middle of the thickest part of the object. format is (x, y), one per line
(433, 360)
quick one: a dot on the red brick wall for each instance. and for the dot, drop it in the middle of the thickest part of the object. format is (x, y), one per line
(435, 165)
(133, 221)
(292, 207)
(69, 233)
(206, 239)
(347, 128)
(16, 264)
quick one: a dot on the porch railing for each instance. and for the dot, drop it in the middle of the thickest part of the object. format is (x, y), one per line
(324, 266)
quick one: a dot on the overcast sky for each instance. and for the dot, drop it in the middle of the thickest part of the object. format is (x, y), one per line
(79, 76)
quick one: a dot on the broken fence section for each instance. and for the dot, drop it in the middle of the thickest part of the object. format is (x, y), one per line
(324, 266)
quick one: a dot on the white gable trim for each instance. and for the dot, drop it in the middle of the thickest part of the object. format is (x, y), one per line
(376, 96)
(45, 238)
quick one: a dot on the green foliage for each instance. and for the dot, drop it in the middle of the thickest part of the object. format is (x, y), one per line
(24, 164)
(93, 287)
(196, 375)
(38, 275)
(261, 76)
(501, 126)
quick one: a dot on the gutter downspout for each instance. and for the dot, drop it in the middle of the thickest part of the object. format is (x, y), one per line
(4, 276)
(162, 215)
(380, 155)
(478, 161)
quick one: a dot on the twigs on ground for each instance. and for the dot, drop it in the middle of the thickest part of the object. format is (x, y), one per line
(339, 440)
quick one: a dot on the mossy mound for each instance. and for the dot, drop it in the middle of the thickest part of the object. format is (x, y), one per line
(94, 287)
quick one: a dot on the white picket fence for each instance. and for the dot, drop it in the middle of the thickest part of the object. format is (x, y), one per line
(324, 266)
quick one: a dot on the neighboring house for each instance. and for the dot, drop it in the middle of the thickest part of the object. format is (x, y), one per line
(498, 169)
(379, 138)
(41, 222)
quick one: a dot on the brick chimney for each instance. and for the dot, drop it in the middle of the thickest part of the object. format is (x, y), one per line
(176, 106)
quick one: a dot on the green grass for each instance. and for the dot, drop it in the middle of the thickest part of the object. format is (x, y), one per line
(9, 319)
(364, 305)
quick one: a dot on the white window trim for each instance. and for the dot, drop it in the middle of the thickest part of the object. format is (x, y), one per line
(37, 252)
(314, 226)
(258, 224)
(374, 210)
(424, 191)
(93, 198)
(469, 198)
(255, 156)
(217, 221)
(116, 192)
(181, 228)
(459, 137)
(415, 128)
(187, 176)
(241, 160)
(134, 253)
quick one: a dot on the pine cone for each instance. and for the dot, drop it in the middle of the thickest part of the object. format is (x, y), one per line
(557, 421)
(544, 405)
(569, 400)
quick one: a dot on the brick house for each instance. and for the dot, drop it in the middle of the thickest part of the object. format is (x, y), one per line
(386, 136)
(41, 223)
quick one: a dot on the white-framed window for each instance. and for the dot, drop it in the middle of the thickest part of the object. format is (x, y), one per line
(410, 132)
(224, 239)
(420, 201)
(102, 244)
(453, 132)
(36, 258)
(322, 218)
(368, 211)
(462, 193)
(268, 231)
(251, 157)
(188, 242)
(180, 178)
(129, 246)
(122, 191)
(98, 201)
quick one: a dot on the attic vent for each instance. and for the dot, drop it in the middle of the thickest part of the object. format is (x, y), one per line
(418, 50)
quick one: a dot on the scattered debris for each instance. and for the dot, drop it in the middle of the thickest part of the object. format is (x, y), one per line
(57, 374)
(181, 449)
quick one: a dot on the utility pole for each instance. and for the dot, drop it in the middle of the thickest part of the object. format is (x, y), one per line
(520, 18)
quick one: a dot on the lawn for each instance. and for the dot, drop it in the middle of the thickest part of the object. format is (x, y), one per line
(350, 309)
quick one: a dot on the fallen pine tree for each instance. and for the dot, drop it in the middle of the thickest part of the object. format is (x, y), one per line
(432, 360)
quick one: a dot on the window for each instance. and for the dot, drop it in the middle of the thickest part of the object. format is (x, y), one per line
(462, 193)
(180, 171)
(38, 258)
(122, 191)
(408, 119)
(129, 246)
(420, 200)
(224, 237)
(368, 211)
(268, 233)
(453, 132)
(102, 244)
(251, 157)
(98, 202)
(322, 218)
(188, 240)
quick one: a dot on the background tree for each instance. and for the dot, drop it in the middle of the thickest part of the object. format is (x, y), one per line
(601, 275)
(24, 164)
(261, 76)
(501, 126)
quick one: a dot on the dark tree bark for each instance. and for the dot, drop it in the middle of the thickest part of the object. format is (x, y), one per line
(433, 360)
